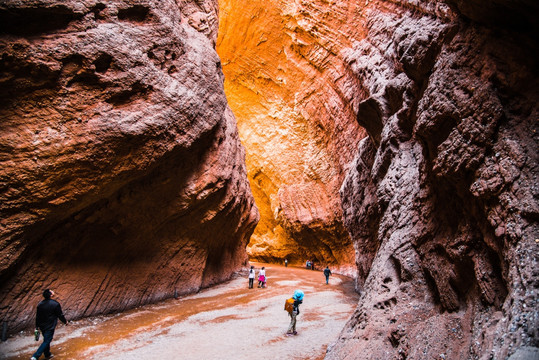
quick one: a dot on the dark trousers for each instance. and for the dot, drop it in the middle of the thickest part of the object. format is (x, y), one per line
(45, 347)
(251, 281)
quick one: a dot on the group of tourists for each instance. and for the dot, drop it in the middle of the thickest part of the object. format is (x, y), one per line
(292, 304)
(261, 277)
(49, 311)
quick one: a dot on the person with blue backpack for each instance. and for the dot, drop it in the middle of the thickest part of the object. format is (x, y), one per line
(292, 306)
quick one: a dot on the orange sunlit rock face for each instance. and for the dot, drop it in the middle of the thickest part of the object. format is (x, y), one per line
(294, 100)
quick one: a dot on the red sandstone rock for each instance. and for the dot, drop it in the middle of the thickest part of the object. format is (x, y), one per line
(442, 198)
(294, 98)
(123, 180)
(441, 201)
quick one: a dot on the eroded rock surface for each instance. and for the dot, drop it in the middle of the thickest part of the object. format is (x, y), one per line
(294, 98)
(123, 180)
(441, 201)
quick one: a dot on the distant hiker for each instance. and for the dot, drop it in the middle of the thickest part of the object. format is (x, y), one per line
(292, 306)
(262, 277)
(251, 277)
(308, 264)
(327, 272)
(312, 265)
(285, 262)
(48, 313)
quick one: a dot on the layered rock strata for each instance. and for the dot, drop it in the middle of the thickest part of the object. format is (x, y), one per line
(123, 179)
(293, 95)
(441, 200)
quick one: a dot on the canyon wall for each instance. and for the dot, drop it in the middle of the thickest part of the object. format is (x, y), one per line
(439, 202)
(442, 198)
(294, 97)
(123, 179)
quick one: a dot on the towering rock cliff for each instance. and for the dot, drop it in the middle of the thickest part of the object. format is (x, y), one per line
(294, 98)
(441, 201)
(122, 176)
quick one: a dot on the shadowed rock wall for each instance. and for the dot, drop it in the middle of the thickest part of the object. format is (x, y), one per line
(122, 176)
(441, 200)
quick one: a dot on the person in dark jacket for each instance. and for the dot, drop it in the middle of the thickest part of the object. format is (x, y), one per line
(298, 299)
(48, 313)
(327, 272)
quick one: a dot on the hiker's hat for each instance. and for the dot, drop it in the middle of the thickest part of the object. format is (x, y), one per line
(298, 295)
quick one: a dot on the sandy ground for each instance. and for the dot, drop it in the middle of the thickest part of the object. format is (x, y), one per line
(228, 321)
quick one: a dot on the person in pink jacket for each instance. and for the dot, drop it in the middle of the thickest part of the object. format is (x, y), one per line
(262, 277)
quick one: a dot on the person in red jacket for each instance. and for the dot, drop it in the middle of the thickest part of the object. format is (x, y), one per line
(48, 313)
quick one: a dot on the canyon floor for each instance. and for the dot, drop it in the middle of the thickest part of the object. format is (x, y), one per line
(228, 321)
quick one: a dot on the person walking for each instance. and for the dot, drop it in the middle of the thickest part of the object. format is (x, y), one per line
(327, 272)
(298, 299)
(285, 262)
(262, 277)
(251, 277)
(47, 315)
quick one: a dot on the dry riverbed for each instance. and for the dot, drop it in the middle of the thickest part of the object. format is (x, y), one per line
(228, 321)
